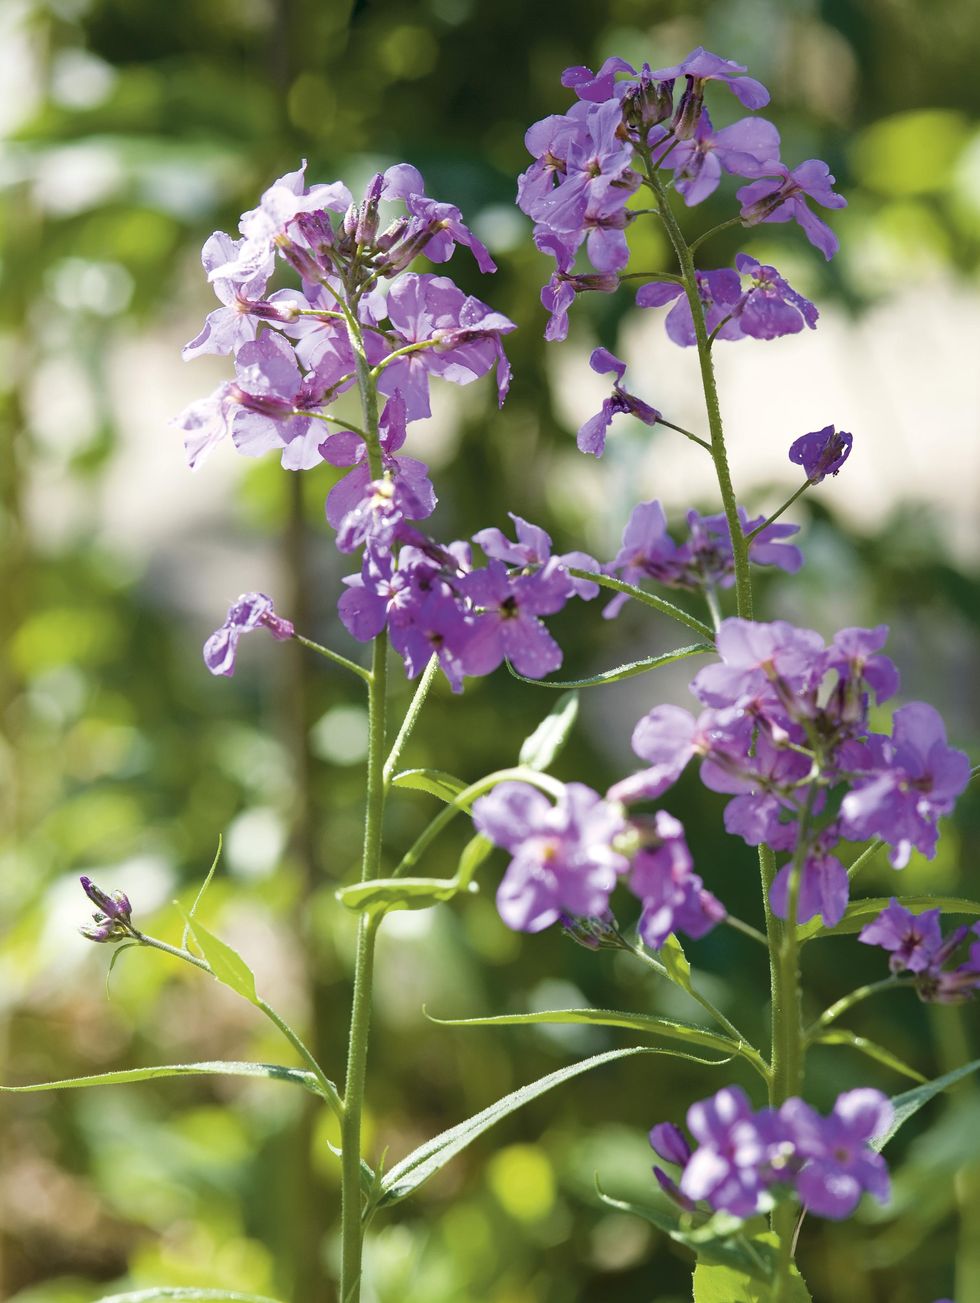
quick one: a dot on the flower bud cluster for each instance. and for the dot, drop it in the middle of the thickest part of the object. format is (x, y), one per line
(743, 1153)
(590, 161)
(112, 919)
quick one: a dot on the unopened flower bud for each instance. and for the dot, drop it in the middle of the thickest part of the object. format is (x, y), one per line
(648, 102)
(367, 218)
(392, 234)
(689, 110)
(112, 918)
(595, 933)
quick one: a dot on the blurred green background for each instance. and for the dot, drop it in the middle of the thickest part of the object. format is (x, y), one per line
(129, 130)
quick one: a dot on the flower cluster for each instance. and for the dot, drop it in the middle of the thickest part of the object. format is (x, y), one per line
(785, 732)
(704, 560)
(113, 917)
(625, 127)
(742, 1154)
(915, 945)
(569, 855)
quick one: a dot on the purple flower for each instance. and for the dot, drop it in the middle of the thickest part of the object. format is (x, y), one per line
(839, 1164)
(854, 655)
(236, 322)
(507, 624)
(464, 335)
(249, 612)
(592, 435)
(264, 227)
(700, 67)
(533, 548)
(751, 652)
(356, 507)
(720, 293)
(275, 397)
(667, 737)
(824, 889)
(599, 86)
(673, 895)
(564, 860)
(743, 149)
(434, 623)
(912, 939)
(725, 1169)
(647, 551)
(208, 421)
(821, 453)
(916, 779)
(783, 199)
(770, 307)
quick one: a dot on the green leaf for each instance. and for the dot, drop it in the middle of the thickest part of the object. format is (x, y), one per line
(211, 1068)
(860, 912)
(200, 895)
(717, 1283)
(624, 671)
(177, 1292)
(383, 894)
(434, 781)
(433, 1156)
(539, 750)
(911, 1101)
(714, 1241)
(838, 1036)
(226, 964)
(119, 950)
(673, 958)
(475, 852)
(653, 1024)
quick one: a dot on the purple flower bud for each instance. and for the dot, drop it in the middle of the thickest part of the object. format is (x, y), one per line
(367, 218)
(112, 919)
(670, 1143)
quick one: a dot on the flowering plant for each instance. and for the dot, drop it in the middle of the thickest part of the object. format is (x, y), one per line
(788, 724)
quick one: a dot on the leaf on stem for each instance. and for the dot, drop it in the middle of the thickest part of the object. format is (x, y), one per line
(909, 1103)
(860, 912)
(183, 1292)
(210, 1068)
(653, 1024)
(200, 895)
(625, 671)
(432, 1157)
(675, 961)
(719, 1283)
(225, 963)
(541, 748)
(434, 781)
(379, 895)
(721, 1239)
(839, 1036)
(475, 852)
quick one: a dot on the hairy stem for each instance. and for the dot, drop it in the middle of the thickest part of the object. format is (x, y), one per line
(411, 716)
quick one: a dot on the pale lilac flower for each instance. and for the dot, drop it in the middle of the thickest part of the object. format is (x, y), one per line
(824, 889)
(700, 67)
(667, 737)
(208, 421)
(783, 199)
(251, 611)
(592, 435)
(821, 453)
(673, 895)
(720, 292)
(236, 322)
(564, 860)
(507, 625)
(912, 940)
(725, 1169)
(599, 86)
(533, 548)
(770, 307)
(743, 149)
(559, 294)
(839, 1163)
(275, 399)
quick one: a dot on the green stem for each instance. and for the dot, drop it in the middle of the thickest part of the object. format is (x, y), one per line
(649, 599)
(746, 930)
(848, 1001)
(352, 1227)
(715, 230)
(411, 717)
(711, 597)
(403, 352)
(719, 453)
(776, 514)
(864, 858)
(336, 657)
(695, 438)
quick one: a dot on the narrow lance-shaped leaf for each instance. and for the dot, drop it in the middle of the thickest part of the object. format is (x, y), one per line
(909, 1103)
(619, 672)
(226, 964)
(432, 1156)
(676, 963)
(184, 1292)
(839, 1036)
(434, 781)
(380, 895)
(200, 895)
(860, 912)
(210, 1068)
(540, 748)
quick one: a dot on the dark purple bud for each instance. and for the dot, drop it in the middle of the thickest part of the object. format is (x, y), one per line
(648, 102)
(670, 1143)
(301, 260)
(604, 282)
(115, 906)
(407, 250)
(822, 452)
(264, 404)
(689, 110)
(367, 217)
(392, 234)
(673, 1191)
(596, 933)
